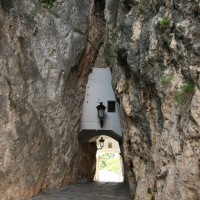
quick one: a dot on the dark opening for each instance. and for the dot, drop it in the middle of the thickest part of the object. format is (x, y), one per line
(99, 5)
(111, 106)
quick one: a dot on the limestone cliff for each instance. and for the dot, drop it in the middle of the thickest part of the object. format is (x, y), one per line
(41, 94)
(156, 78)
(46, 53)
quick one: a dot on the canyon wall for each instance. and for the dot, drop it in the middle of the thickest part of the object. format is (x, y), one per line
(156, 79)
(46, 53)
(45, 59)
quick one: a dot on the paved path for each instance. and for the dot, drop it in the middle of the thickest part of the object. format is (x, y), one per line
(89, 191)
(108, 176)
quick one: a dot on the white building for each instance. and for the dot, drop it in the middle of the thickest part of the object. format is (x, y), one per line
(99, 89)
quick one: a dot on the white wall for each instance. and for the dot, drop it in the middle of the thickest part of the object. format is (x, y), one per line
(115, 145)
(99, 89)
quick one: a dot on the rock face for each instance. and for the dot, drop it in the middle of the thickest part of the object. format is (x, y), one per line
(156, 77)
(47, 49)
(46, 53)
(41, 95)
(87, 162)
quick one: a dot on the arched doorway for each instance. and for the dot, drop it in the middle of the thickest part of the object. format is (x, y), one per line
(109, 165)
(98, 91)
(92, 157)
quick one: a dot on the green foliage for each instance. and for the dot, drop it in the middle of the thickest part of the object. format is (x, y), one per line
(113, 165)
(110, 51)
(103, 164)
(47, 3)
(109, 163)
(104, 159)
(163, 23)
(149, 191)
(6, 5)
(166, 79)
(152, 197)
(184, 92)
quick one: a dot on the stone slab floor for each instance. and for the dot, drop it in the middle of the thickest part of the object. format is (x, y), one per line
(89, 191)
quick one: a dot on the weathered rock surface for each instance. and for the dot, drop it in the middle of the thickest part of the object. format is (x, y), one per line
(41, 95)
(156, 77)
(46, 54)
(87, 162)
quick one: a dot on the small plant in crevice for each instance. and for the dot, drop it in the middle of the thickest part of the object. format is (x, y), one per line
(47, 3)
(163, 23)
(184, 92)
(149, 191)
(166, 79)
(152, 197)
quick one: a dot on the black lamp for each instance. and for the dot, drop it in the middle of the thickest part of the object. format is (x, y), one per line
(101, 141)
(101, 109)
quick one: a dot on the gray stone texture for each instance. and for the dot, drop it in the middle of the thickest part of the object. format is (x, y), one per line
(46, 54)
(161, 123)
(40, 95)
(87, 162)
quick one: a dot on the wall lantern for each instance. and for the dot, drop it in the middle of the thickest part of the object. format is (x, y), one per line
(101, 109)
(101, 142)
